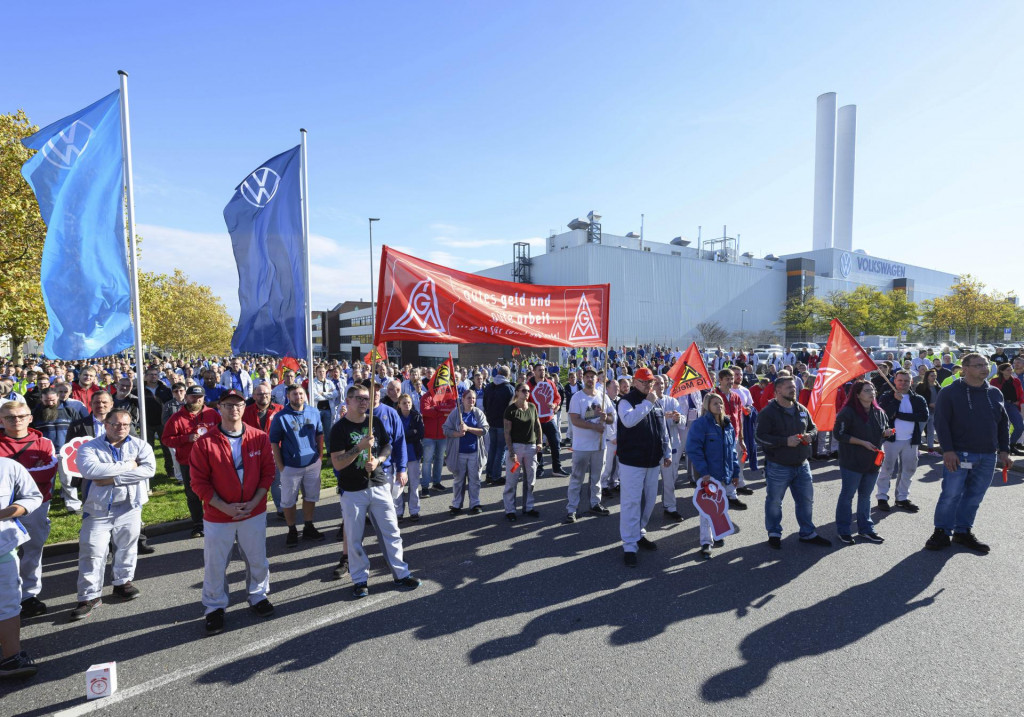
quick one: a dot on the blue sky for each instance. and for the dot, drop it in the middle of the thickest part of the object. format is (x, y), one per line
(466, 126)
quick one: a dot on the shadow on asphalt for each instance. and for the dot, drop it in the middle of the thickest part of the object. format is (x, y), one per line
(830, 625)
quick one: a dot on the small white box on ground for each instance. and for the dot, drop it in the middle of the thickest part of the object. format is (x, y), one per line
(101, 680)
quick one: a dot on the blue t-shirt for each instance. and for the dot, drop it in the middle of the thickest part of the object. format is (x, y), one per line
(296, 432)
(467, 444)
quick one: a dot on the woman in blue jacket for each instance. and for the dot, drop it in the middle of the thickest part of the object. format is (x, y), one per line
(412, 422)
(711, 447)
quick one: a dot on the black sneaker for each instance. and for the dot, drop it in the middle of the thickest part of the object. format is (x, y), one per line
(19, 665)
(600, 510)
(559, 472)
(629, 559)
(32, 607)
(143, 547)
(359, 590)
(871, 537)
(570, 518)
(408, 582)
(198, 533)
(309, 532)
(127, 591)
(510, 517)
(454, 511)
(424, 493)
(907, 506)
(439, 487)
(745, 491)
(414, 518)
(85, 608)
(775, 542)
(647, 544)
(705, 551)
(737, 504)
(532, 512)
(339, 572)
(938, 541)
(263, 608)
(846, 539)
(215, 622)
(293, 538)
(476, 510)
(883, 505)
(817, 540)
(673, 516)
(969, 541)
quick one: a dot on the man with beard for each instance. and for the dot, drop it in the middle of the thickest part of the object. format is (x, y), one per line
(259, 414)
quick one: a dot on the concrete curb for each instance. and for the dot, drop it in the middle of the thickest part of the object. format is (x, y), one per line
(157, 529)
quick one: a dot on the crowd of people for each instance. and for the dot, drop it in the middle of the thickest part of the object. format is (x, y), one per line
(237, 431)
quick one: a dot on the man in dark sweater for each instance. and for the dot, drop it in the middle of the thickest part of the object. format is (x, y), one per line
(972, 427)
(786, 432)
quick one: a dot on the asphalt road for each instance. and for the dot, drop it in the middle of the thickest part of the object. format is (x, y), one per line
(538, 617)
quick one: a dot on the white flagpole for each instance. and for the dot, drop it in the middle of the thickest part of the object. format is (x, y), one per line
(373, 317)
(140, 356)
(304, 191)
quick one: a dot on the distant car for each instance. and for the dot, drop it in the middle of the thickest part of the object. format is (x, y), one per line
(770, 347)
(809, 345)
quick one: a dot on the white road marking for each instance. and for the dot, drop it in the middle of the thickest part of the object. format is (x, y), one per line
(130, 692)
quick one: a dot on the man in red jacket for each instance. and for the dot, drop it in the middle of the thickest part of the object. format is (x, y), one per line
(190, 423)
(232, 469)
(83, 389)
(259, 414)
(34, 451)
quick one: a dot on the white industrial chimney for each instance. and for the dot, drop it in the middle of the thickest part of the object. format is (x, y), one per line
(824, 170)
(846, 141)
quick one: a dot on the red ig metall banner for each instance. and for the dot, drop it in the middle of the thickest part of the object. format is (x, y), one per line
(421, 301)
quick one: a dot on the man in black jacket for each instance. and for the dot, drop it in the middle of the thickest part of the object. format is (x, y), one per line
(786, 432)
(907, 413)
(497, 395)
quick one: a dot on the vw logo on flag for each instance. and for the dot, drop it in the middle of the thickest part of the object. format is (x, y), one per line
(845, 264)
(64, 148)
(260, 186)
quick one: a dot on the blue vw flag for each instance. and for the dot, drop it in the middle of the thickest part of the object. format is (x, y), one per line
(264, 218)
(77, 176)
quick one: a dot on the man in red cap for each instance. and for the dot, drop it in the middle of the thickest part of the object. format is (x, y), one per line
(643, 447)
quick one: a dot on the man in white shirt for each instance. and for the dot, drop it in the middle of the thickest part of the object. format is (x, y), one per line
(589, 412)
(673, 422)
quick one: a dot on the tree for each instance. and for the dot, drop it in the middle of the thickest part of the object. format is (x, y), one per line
(22, 233)
(182, 316)
(712, 333)
(970, 311)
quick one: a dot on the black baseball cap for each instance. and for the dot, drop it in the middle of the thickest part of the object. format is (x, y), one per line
(195, 391)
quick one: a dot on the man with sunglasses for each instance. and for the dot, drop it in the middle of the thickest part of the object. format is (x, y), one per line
(643, 448)
(358, 462)
(973, 431)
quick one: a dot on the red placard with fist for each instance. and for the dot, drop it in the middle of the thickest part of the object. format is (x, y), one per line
(710, 501)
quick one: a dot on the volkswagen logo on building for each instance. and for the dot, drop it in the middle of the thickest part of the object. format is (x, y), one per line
(845, 264)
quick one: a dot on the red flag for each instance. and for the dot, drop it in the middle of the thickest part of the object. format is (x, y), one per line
(689, 373)
(421, 301)
(284, 364)
(443, 380)
(843, 360)
(517, 351)
(377, 353)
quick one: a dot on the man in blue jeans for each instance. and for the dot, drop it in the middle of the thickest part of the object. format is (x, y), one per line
(786, 433)
(497, 395)
(972, 426)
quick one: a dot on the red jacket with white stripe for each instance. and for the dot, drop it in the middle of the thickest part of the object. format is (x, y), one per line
(183, 424)
(213, 471)
(38, 457)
